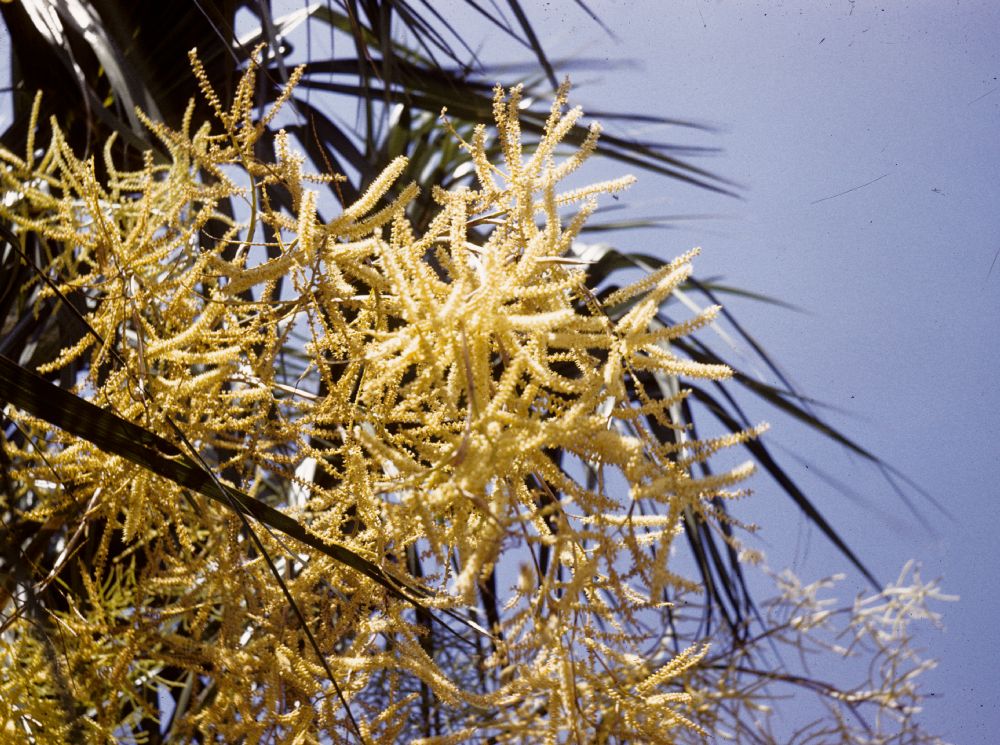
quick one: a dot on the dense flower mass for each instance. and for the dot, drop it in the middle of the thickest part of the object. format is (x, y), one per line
(450, 401)
(440, 370)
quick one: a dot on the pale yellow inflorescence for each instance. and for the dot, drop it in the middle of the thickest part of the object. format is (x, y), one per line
(444, 367)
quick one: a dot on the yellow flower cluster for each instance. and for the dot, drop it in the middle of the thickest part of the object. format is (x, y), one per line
(451, 401)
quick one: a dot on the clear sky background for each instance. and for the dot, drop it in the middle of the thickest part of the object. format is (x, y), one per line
(867, 139)
(896, 278)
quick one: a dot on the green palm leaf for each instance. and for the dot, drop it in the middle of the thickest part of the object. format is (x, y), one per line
(93, 81)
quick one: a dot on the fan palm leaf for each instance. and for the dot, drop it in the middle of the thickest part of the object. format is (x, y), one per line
(96, 61)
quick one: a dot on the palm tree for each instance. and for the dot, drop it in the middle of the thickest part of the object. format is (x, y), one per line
(96, 61)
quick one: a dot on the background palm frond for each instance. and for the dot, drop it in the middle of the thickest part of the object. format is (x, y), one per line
(397, 65)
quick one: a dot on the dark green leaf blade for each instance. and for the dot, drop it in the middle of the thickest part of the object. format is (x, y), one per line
(35, 395)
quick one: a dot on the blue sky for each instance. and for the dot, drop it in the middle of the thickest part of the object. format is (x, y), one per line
(865, 137)
(901, 306)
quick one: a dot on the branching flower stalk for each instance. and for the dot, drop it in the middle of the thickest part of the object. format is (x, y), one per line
(869, 642)
(453, 403)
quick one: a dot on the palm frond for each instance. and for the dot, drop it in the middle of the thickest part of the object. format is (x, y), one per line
(407, 62)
